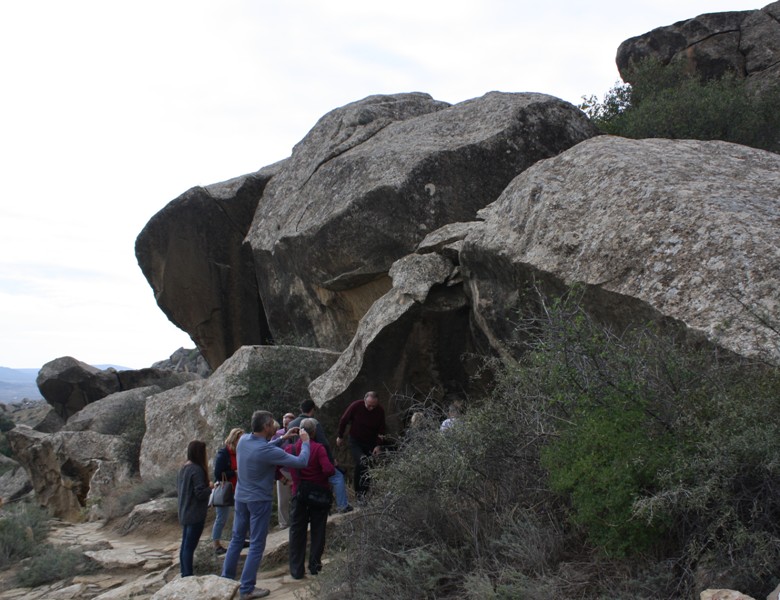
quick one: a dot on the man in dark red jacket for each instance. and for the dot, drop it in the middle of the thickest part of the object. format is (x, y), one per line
(366, 421)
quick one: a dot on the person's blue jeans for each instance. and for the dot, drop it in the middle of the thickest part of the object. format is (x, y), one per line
(223, 512)
(252, 517)
(190, 534)
(339, 489)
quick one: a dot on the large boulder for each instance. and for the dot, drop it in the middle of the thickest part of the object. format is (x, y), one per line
(193, 255)
(71, 472)
(207, 409)
(69, 384)
(114, 414)
(14, 481)
(188, 360)
(746, 43)
(674, 230)
(371, 180)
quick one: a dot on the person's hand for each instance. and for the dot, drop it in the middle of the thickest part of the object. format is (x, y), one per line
(304, 435)
(291, 432)
(339, 442)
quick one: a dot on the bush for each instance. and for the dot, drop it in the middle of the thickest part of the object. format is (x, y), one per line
(52, 563)
(665, 102)
(604, 464)
(22, 528)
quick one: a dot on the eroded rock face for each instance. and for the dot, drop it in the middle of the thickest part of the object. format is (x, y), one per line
(71, 471)
(370, 181)
(746, 43)
(193, 255)
(199, 410)
(655, 229)
(410, 340)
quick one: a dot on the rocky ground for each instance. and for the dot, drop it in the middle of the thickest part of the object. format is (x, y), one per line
(142, 566)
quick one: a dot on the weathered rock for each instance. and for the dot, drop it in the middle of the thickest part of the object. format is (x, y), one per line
(201, 409)
(146, 517)
(187, 360)
(50, 423)
(113, 414)
(70, 469)
(160, 378)
(654, 229)
(205, 587)
(192, 254)
(410, 341)
(746, 43)
(141, 587)
(69, 384)
(14, 481)
(723, 595)
(370, 181)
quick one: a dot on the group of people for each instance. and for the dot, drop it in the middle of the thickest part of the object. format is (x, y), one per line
(298, 456)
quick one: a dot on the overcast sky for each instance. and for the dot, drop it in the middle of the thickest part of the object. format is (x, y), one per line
(110, 109)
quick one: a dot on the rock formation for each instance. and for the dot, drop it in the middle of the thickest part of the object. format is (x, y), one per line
(364, 188)
(193, 255)
(205, 409)
(746, 43)
(71, 471)
(665, 229)
(69, 384)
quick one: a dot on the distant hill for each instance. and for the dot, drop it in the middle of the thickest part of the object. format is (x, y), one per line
(18, 384)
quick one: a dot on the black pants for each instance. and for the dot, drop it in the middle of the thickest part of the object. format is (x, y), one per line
(361, 455)
(301, 514)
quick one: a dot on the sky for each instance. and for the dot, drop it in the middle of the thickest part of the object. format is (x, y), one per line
(110, 109)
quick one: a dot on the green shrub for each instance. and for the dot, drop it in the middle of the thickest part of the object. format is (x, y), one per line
(52, 563)
(22, 528)
(603, 465)
(665, 102)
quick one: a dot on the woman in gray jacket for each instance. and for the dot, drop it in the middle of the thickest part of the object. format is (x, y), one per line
(193, 488)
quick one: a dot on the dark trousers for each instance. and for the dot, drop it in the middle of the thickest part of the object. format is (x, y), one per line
(301, 514)
(190, 534)
(361, 455)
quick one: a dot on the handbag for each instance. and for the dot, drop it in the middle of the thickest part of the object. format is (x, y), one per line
(222, 494)
(314, 495)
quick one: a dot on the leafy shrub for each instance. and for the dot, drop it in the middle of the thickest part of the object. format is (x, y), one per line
(665, 102)
(22, 528)
(52, 563)
(603, 465)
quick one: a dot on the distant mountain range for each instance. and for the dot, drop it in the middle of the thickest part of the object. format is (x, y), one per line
(18, 384)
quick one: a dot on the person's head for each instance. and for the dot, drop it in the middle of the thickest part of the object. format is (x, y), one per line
(371, 400)
(196, 454)
(232, 438)
(453, 411)
(263, 423)
(417, 420)
(308, 407)
(286, 419)
(310, 426)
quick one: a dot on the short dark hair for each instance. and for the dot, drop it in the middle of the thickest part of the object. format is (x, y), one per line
(307, 405)
(260, 420)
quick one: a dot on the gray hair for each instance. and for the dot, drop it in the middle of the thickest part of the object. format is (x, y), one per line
(310, 426)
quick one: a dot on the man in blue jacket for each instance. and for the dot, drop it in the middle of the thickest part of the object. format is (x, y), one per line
(257, 458)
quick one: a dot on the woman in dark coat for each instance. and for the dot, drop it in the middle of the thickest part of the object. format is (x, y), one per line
(306, 484)
(193, 488)
(225, 464)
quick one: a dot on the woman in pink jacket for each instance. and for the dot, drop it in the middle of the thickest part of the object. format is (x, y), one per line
(311, 500)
